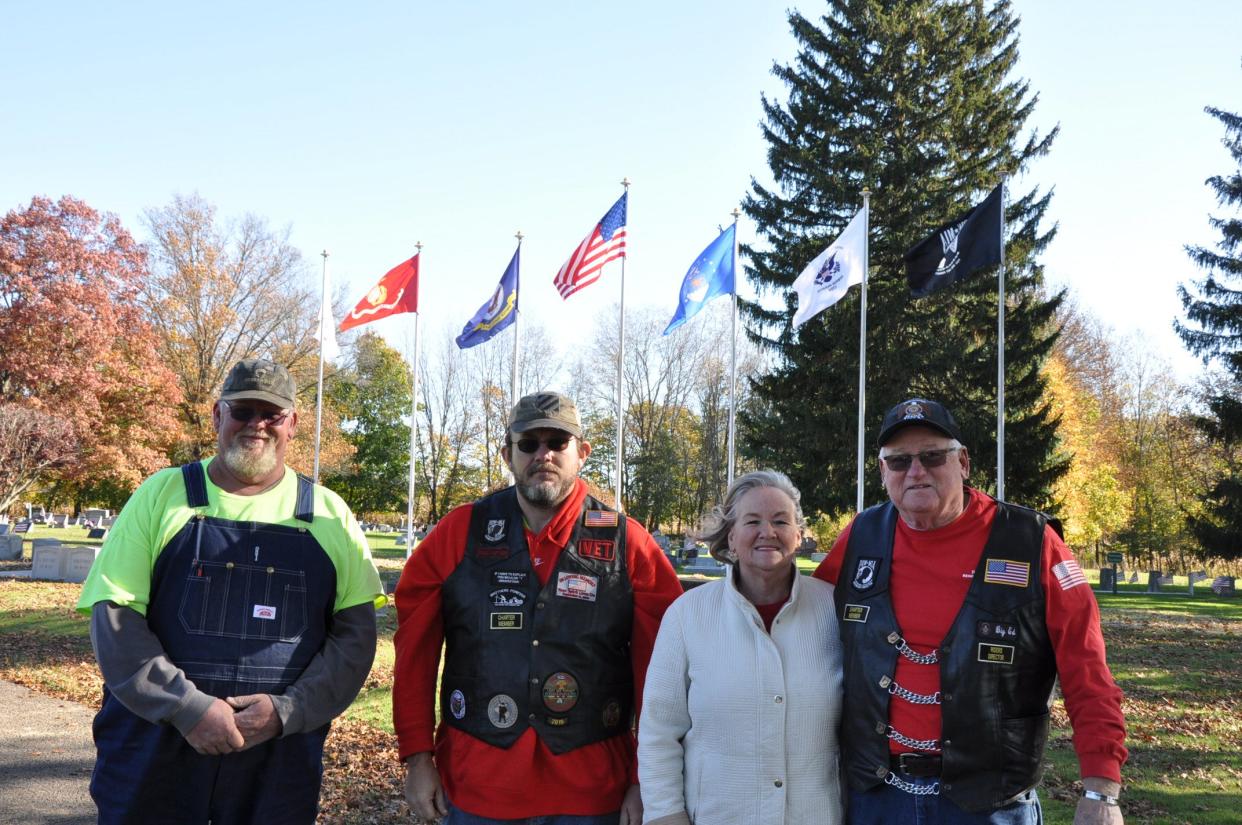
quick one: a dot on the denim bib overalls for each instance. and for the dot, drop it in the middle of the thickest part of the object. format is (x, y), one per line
(241, 607)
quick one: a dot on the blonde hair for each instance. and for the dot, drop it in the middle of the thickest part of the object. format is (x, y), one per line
(722, 518)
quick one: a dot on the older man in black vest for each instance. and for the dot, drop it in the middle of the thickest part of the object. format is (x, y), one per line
(958, 612)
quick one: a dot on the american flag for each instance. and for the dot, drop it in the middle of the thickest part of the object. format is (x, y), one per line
(1069, 574)
(605, 243)
(1001, 571)
(600, 518)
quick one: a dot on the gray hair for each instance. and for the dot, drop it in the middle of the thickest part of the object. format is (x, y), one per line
(722, 518)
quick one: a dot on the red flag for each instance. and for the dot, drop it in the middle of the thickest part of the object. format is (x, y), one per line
(396, 292)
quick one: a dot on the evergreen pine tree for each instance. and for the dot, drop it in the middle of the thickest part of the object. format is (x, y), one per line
(913, 100)
(1214, 331)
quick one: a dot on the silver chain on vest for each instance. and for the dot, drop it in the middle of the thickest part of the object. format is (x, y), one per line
(914, 656)
(913, 698)
(916, 744)
(910, 788)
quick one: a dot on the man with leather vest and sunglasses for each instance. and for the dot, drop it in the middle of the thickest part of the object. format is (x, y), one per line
(546, 602)
(958, 613)
(233, 617)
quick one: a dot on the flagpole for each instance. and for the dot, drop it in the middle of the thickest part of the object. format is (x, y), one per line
(323, 297)
(862, 348)
(513, 378)
(733, 359)
(409, 505)
(621, 372)
(1000, 361)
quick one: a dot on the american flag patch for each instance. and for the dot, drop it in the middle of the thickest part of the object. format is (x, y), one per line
(1002, 571)
(1069, 574)
(600, 518)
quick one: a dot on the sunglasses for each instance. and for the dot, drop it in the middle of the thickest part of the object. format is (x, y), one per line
(555, 444)
(900, 462)
(244, 415)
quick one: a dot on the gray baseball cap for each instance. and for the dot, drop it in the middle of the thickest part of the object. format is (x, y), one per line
(257, 379)
(546, 410)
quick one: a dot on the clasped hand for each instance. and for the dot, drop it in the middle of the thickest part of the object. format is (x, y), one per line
(235, 724)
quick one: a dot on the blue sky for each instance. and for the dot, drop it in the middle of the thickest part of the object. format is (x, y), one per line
(368, 127)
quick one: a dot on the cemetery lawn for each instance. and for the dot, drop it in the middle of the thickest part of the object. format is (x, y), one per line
(1178, 659)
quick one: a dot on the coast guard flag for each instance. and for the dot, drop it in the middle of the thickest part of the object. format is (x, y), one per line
(833, 271)
(496, 314)
(710, 276)
(957, 249)
(396, 292)
(605, 243)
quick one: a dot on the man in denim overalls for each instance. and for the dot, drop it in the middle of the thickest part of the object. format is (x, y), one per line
(233, 616)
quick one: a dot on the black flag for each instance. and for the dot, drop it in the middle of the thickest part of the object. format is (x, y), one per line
(957, 249)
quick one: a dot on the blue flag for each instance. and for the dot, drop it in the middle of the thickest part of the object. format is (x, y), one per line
(496, 314)
(710, 276)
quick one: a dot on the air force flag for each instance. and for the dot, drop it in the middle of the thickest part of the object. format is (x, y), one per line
(835, 270)
(710, 276)
(497, 313)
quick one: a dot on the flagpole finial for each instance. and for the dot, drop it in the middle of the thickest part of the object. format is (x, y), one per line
(519, 236)
(418, 245)
(324, 254)
(626, 183)
(736, 213)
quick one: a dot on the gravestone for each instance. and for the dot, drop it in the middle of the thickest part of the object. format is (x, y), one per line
(1153, 581)
(77, 563)
(1107, 580)
(10, 548)
(97, 533)
(95, 514)
(107, 522)
(4, 529)
(47, 560)
(818, 557)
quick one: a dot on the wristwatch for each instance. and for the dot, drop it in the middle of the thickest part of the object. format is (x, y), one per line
(1099, 797)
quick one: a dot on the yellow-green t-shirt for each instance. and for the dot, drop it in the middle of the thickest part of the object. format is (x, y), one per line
(158, 510)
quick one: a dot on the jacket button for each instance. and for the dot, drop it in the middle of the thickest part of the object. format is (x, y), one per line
(534, 643)
(893, 637)
(881, 772)
(540, 605)
(948, 786)
(779, 699)
(947, 742)
(778, 783)
(531, 717)
(945, 650)
(881, 727)
(948, 697)
(534, 680)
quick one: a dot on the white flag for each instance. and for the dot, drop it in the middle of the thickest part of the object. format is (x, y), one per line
(327, 326)
(835, 270)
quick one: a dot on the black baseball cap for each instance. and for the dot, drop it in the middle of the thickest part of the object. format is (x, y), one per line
(921, 412)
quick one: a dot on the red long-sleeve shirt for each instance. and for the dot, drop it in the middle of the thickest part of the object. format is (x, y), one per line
(930, 575)
(526, 779)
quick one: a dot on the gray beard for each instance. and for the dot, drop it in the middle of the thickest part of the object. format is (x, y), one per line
(546, 493)
(247, 464)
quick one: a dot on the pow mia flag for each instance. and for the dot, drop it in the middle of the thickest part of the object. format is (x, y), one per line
(957, 249)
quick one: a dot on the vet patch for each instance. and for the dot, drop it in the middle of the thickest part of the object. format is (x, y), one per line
(502, 711)
(264, 611)
(996, 630)
(560, 692)
(1004, 571)
(577, 586)
(600, 518)
(509, 578)
(457, 704)
(507, 597)
(506, 621)
(996, 654)
(865, 573)
(495, 531)
(597, 549)
(856, 613)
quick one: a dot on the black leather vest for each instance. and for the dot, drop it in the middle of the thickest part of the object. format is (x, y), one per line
(997, 666)
(556, 658)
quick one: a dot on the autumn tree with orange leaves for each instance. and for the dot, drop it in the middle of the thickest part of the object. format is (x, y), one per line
(75, 347)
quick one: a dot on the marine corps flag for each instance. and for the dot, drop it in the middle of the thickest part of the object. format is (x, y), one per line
(396, 292)
(957, 249)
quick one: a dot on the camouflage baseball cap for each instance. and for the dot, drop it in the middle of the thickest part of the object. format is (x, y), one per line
(256, 379)
(549, 410)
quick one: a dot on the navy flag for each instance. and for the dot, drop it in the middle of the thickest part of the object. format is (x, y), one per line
(496, 314)
(710, 276)
(957, 249)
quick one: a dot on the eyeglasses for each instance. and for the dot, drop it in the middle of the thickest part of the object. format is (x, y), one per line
(555, 444)
(900, 462)
(244, 415)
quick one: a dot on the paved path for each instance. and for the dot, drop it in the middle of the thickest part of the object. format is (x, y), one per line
(46, 756)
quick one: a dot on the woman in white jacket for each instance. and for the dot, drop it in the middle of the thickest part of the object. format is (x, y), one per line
(743, 695)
